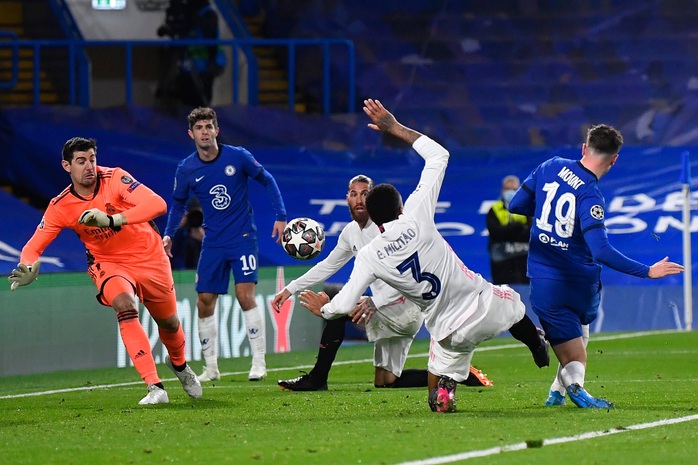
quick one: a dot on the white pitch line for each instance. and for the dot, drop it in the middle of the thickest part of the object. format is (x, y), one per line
(546, 442)
(301, 367)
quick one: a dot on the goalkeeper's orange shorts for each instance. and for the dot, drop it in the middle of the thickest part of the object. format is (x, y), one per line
(150, 280)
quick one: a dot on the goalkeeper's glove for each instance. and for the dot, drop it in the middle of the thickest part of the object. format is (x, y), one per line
(96, 217)
(23, 275)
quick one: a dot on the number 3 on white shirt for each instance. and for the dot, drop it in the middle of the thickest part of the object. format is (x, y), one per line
(412, 263)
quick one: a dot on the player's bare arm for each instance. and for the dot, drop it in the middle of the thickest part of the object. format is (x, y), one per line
(314, 301)
(664, 268)
(384, 121)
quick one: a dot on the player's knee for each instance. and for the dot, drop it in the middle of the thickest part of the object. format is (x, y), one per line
(380, 386)
(124, 302)
(206, 304)
(246, 300)
(170, 324)
(245, 294)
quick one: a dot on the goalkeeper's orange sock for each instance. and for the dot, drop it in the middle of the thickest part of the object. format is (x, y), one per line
(137, 345)
(175, 344)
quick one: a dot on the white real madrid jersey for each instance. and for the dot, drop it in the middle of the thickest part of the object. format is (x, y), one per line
(411, 256)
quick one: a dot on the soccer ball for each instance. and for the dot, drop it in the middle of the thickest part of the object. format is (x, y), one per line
(303, 238)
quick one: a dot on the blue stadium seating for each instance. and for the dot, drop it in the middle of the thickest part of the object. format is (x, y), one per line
(539, 62)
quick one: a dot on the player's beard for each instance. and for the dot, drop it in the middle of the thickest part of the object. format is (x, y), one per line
(360, 217)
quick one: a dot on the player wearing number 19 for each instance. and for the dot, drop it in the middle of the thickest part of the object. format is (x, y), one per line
(217, 175)
(568, 244)
(461, 308)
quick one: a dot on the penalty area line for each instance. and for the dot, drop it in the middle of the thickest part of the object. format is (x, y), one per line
(547, 442)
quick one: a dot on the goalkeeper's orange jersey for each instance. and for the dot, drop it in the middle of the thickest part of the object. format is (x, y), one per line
(116, 192)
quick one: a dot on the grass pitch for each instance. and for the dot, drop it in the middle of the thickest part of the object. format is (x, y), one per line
(92, 417)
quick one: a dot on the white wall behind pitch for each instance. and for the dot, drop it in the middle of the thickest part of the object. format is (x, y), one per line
(131, 23)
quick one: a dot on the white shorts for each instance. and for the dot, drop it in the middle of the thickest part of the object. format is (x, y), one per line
(498, 310)
(391, 354)
(392, 329)
(402, 318)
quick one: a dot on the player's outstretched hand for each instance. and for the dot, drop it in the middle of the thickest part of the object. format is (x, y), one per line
(23, 275)
(664, 268)
(382, 119)
(314, 301)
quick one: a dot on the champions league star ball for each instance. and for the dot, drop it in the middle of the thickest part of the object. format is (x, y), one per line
(303, 238)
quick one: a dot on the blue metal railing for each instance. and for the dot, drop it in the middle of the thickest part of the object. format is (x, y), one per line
(78, 88)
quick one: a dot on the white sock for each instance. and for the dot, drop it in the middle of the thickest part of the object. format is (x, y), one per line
(208, 336)
(254, 321)
(558, 384)
(572, 373)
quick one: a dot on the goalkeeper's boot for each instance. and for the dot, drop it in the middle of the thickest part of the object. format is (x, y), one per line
(209, 374)
(303, 383)
(582, 399)
(443, 398)
(555, 398)
(541, 355)
(190, 383)
(477, 378)
(156, 395)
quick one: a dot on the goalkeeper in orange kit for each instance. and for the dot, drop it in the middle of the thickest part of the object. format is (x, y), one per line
(112, 215)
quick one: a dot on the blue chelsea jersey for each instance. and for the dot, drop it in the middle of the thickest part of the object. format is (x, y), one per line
(567, 203)
(221, 186)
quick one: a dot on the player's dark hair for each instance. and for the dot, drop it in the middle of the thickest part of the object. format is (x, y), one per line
(361, 178)
(604, 139)
(202, 113)
(77, 144)
(383, 203)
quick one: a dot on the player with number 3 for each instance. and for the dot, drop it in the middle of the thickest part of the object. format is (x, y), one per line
(461, 308)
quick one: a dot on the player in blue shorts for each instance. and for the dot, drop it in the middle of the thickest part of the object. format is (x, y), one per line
(568, 245)
(217, 175)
